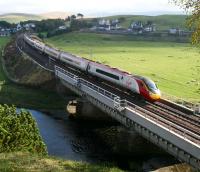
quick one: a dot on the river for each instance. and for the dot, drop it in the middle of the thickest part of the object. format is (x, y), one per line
(76, 140)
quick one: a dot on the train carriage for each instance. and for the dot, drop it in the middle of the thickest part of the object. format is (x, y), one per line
(29, 41)
(113, 75)
(52, 52)
(39, 46)
(75, 61)
(137, 84)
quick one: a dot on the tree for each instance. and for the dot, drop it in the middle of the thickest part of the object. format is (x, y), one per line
(80, 15)
(73, 17)
(68, 18)
(122, 19)
(149, 23)
(193, 8)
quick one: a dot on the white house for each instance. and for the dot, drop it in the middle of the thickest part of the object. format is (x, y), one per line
(19, 27)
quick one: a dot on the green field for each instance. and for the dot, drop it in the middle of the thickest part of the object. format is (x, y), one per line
(175, 67)
(26, 97)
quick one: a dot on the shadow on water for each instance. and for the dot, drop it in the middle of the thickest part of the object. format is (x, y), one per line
(76, 140)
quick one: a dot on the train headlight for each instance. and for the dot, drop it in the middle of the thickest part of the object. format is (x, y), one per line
(156, 95)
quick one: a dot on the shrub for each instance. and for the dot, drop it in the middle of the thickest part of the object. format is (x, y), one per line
(19, 132)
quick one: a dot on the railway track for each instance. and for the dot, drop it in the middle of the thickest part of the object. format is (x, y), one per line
(174, 118)
(171, 126)
(193, 119)
(180, 120)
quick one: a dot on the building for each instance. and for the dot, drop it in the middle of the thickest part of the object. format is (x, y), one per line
(29, 26)
(137, 26)
(62, 27)
(176, 31)
(104, 24)
(115, 24)
(149, 28)
(19, 27)
(4, 33)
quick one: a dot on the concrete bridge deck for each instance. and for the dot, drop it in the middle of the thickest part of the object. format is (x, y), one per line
(134, 118)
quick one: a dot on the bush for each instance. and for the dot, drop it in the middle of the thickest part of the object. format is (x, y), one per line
(19, 132)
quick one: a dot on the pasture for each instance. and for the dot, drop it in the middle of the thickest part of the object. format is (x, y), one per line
(175, 67)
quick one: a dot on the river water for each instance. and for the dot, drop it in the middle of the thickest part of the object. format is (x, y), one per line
(69, 139)
(76, 140)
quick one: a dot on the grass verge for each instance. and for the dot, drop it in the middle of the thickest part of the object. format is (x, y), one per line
(20, 161)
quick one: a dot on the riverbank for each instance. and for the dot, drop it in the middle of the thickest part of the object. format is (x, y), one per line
(32, 97)
(24, 161)
(20, 161)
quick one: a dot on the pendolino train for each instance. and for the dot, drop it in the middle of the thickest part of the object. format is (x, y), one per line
(137, 84)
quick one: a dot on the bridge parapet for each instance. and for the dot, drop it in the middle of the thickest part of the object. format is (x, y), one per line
(154, 128)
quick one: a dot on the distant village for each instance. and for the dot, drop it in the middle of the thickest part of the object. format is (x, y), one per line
(103, 25)
(6, 31)
(137, 27)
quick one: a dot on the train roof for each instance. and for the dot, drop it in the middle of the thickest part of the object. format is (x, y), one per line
(120, 71)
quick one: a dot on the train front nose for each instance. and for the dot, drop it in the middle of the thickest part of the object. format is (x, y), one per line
(156, 95)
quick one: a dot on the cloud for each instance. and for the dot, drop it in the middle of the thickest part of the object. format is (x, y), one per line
(86, 6)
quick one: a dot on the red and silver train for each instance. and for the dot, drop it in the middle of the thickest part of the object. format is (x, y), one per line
(137, 84)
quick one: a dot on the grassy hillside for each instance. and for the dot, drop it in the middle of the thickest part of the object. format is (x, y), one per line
(17, 17)
(175, 67)
(26, 97)
(163, 22)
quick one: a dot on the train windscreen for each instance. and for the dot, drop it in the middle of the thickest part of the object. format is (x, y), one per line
(150, 85)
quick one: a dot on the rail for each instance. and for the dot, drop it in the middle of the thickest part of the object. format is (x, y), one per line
(120, 105)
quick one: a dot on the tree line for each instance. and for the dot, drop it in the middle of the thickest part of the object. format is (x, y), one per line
(192, 7)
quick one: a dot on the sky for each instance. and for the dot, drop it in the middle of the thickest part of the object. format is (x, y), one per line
(89, 7)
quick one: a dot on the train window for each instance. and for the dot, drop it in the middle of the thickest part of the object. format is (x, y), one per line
(150, 84)
(69, 60)
(107, 74)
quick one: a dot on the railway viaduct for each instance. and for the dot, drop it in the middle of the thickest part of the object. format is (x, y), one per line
(182, 143)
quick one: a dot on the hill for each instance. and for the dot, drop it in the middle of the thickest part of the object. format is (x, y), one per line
(17, 17)
(163, 22)
(55, 15)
